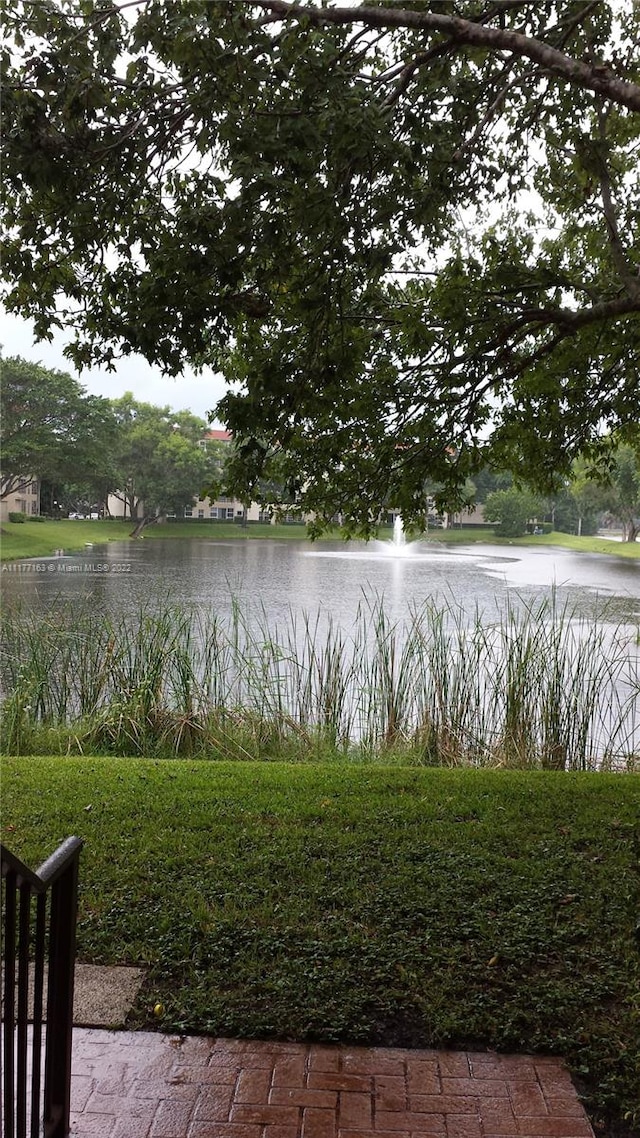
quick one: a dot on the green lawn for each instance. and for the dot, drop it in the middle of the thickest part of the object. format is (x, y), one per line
(374, 905)
(582, 544)
(41, 539)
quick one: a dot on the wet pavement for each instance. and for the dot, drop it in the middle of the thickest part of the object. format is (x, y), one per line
(148, 1085)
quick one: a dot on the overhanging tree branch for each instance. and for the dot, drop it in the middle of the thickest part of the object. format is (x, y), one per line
(270, 255)
(13, 484)
(597, 77)
(630, 280)
(573, 319)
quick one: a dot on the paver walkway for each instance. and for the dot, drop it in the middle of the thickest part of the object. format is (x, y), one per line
(146, 1085)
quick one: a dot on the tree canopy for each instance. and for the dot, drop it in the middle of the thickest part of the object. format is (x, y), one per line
(158, 466)
(407, 235)
(623, 493)
(49, 427)
(513, 510)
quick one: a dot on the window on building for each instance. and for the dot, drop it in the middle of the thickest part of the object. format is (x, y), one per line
(200, 513)
(188, 512)
(213, 513)
(34, 507)
(230, 513)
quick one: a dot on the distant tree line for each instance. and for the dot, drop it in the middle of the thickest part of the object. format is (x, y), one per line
(583, 503)
(85, 448)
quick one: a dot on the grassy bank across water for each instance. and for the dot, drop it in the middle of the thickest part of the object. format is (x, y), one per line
(592, 544)
(371, 905)
(42, 539)
(30, 539)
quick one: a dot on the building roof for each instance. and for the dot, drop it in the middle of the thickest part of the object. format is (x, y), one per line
(219, 436)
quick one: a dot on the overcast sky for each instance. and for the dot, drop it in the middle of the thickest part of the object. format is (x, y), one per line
(188, 392)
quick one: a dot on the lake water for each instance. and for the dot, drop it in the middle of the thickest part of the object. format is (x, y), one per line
(275, 583)
(280, 578)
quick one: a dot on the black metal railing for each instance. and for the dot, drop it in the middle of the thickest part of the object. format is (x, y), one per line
(35, 950)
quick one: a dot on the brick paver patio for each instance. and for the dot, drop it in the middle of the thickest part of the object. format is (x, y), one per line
(146, 1085)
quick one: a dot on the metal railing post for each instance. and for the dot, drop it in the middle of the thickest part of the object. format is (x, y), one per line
(8, 1057)
(62, 952)
(58, 878)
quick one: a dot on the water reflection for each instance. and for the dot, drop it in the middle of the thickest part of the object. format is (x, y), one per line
(278, 578)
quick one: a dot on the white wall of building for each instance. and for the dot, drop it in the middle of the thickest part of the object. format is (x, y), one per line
(26, 500)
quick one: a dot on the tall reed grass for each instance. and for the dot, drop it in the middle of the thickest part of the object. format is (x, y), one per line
(540, 687)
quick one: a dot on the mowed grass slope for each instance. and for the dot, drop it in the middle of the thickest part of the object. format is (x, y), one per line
(41, 539)
(372, 905)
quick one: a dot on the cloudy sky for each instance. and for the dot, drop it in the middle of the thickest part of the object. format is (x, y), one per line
(196, 393)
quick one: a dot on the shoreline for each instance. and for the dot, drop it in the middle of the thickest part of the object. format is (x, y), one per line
(28, 540)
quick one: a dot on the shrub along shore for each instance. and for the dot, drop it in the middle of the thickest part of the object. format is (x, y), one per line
(366, 904)
(42, 540)
(538, 686)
